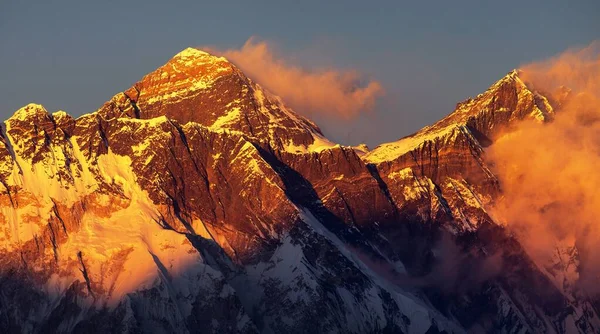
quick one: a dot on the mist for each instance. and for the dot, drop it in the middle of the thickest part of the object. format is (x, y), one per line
(549, 172)
(327, 92)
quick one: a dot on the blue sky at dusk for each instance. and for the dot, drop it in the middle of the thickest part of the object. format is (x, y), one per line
(428, 55)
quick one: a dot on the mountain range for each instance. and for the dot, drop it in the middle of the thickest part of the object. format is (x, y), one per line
(198, 202)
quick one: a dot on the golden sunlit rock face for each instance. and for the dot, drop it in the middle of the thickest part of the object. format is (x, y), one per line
(197, 201)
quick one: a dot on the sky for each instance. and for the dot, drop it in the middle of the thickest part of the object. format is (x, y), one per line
(426, 55)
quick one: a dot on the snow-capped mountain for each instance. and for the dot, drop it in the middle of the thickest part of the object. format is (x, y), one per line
(196, 201)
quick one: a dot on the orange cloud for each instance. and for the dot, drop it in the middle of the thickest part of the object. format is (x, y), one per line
(550, 173)
(330, 92)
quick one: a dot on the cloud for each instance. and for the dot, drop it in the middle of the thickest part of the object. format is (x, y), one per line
(454, 269)
(330, 92)
(550, 173)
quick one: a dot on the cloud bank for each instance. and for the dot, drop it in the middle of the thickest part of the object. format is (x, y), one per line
(329, 92)
(550, 173)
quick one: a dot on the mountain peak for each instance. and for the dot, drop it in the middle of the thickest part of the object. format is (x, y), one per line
(196, 86)
(507, 100)
(192, 52)
(171, 88)
(28, 111)
(512, 78)
(193, 58)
